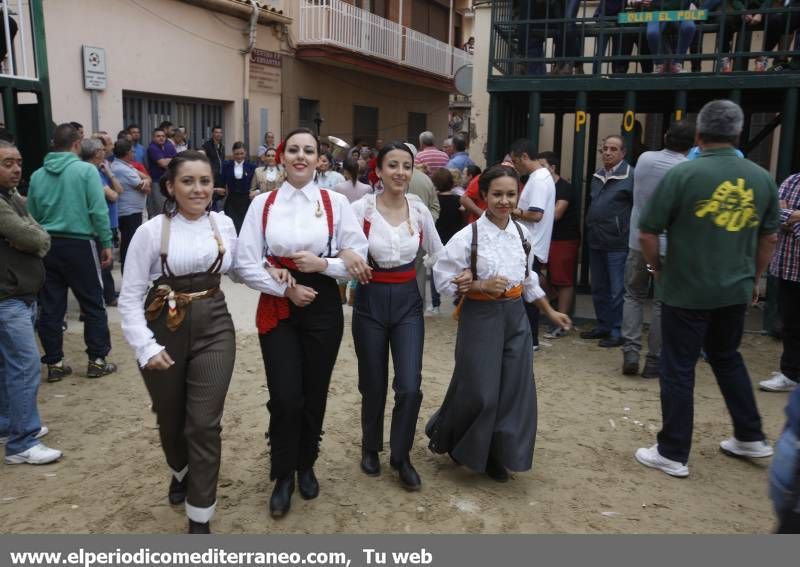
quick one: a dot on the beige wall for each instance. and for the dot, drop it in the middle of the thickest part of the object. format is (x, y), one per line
(162, 47)
(339, 89)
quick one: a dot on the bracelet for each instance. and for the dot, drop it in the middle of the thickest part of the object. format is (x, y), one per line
(651, 269)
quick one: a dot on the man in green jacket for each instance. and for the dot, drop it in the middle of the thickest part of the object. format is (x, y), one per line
(23, 243)
(67, 199)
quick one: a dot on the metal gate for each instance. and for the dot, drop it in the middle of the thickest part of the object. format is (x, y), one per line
(197, 116)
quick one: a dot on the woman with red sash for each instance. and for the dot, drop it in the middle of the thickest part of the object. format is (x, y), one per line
(388, 312)
(487, 421)
(297, 233)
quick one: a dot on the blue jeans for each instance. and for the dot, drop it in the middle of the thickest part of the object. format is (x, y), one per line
(20, 375)
(783, 473)
(683, 333)
(655, 30)
(608, 288)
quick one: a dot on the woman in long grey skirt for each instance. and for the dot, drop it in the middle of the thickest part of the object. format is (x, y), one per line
(487, 421)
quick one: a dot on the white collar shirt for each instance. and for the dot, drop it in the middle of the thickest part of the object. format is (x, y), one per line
(392, 246)
(192, 249)
(297, 222)
(500, 253)
(238, 169)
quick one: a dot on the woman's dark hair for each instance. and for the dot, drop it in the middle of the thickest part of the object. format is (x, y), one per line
(301, 131)
(328, 156)
(238, 146)
(495, 172)
(351, 166)
(393, 146)
(442, 180)
(170, 206)
(473, 170)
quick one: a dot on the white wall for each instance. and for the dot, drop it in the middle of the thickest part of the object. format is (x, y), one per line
(161, 47)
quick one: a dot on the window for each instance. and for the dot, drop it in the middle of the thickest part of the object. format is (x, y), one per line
(309, 110)
(417, 124)
(197, 116)
(365, 124)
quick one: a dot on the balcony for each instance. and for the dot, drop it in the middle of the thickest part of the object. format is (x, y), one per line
(17, 56)
(549, 44)
(341, 25)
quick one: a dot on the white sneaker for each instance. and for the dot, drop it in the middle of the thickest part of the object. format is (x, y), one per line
(748, 449)
(37, 455)
(777, 382)
(42, 432)
(650, 457)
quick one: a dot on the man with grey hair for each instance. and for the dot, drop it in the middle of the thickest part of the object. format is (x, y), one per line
(721, 215)
(429, 155)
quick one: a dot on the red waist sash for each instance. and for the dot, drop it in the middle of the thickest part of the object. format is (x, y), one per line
(271, 308)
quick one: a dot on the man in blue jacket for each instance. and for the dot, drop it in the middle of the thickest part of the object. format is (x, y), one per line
(607, 230)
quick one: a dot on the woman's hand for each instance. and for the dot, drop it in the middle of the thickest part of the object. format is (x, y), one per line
(494, 287)
(281, 275)
(221, 191)
(463, 281)
(356, 266)
(300, 295)
(160, 361)
(309, 263)
(560, 319)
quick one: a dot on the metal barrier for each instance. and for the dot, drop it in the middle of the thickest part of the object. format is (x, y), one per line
(17, 55)
(528, 37)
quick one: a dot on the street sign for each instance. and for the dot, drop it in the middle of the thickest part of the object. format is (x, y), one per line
(94, 68)
(661, 16)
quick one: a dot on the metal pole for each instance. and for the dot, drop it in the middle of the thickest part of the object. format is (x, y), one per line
(579, 149)
(735, 96)
(629, 122)
(42, 71)
(10, 109)
(95, 112)
(22, 38)
(558, 134)
(680, 106)
(9, 51)
(494, 130)
(534, 115)
(786, 145)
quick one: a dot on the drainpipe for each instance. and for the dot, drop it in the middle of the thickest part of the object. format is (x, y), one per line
(246, 79)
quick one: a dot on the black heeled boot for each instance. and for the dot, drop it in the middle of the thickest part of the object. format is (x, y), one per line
(281, 499)
(409, 477)
(177, 490)
(370, 463)
(308, 485)
(199, 528)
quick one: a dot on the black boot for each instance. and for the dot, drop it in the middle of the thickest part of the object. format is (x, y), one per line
(370, 463)
(308, 484)
(408, 474)
(177, 490)
(281, 498)
(198, 528)
(495, 470)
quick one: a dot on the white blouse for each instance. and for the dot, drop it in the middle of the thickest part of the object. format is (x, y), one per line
(297, 222)
(392, 246)
(500, 253)
(192, 249)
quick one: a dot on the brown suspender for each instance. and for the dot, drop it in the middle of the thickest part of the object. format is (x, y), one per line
(473, 250)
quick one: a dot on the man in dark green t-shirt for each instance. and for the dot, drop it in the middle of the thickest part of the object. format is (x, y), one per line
(721, 217)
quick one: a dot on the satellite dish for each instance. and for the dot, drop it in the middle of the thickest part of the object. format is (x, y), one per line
(463, 80)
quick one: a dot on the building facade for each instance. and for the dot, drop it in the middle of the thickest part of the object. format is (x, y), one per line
(253, 67)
